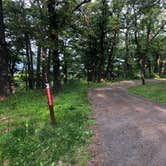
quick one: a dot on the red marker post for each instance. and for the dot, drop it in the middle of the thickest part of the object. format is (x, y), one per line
(48, 89)
(49, 98)
(49, 95)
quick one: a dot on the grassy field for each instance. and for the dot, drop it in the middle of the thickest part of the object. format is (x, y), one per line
(152, 91)
(27, 138)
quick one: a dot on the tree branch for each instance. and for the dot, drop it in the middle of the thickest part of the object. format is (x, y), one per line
(161, 28)
(80, 4)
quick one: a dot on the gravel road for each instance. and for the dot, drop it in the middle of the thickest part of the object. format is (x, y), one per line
(131, 129)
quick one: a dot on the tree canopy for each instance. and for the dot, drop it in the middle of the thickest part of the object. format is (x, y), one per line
(72, 39)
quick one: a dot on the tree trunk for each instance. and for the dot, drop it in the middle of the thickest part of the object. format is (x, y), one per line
(102, 26)
(109, 70)
(65, 70)
(26, 77)
(126, 65)
(29, 62)
(101, 57)
(4, 78)
(160, 68)
(157, 63)
(164, 68)
(141, 59)
(11, 64)
(142, 67)
(91, 60)
(56, 72)
(31, 67)
(38, 72)
(49, 57)
(149, 68)
(54, 36)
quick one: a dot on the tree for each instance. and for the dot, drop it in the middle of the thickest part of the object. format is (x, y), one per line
(94, 39)
(115, 23)
(147, 26)
(20, 34)
(4, 78)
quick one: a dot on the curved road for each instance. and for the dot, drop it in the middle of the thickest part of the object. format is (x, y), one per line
(132, 129)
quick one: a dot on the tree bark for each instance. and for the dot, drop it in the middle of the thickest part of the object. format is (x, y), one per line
(26, 77)
(29, 55)
(149, 68)
(38, 72)
(109, 70)
(142, 67)
(157, 63)
(65, 68)
(54, 36)
(126, 64)
(31, 65)
(161, 68)
(91, 60)
(4, 78)
(164, 68)
(56, 71)
(102, 26)
(101, 57)
(141, 59)
(49, 57)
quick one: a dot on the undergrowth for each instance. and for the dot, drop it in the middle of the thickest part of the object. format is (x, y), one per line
(27, 138)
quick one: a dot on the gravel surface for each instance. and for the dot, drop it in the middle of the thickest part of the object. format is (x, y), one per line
(130, 130)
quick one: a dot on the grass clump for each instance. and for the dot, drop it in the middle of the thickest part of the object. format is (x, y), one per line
(152, 91)
(27, 138)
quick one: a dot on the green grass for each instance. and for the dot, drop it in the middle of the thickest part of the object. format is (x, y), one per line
(27, 138)
(153, 91)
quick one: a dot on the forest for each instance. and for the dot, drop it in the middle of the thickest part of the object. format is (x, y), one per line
(58, 43)
(94, 40)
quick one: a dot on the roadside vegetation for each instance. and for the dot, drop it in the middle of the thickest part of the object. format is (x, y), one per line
(27, 138)
(153, 91)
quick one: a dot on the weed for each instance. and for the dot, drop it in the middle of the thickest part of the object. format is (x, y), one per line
(31, 140)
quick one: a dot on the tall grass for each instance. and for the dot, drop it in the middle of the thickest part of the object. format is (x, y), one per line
(27, 138)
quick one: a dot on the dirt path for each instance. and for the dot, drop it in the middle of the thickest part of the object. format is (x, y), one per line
(131, 129)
